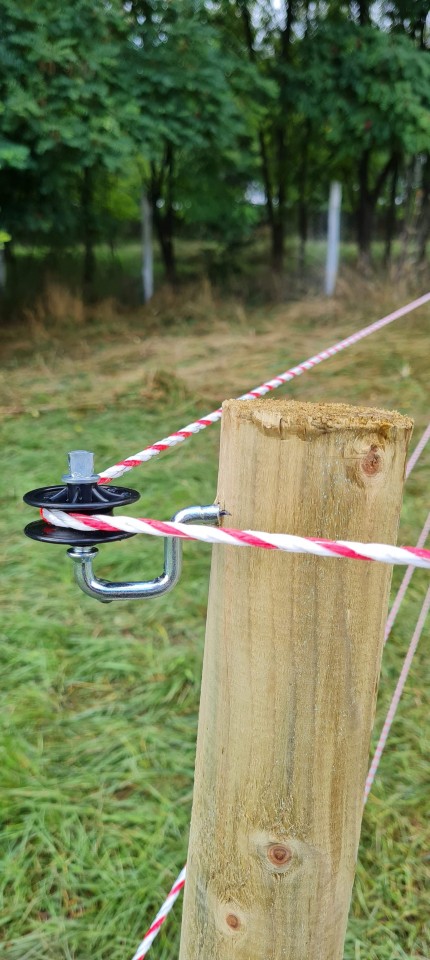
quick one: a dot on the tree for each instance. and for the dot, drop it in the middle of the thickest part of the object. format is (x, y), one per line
(191, 130)
(374, 91)
(410, 18)
(65, 112)
(267, 38)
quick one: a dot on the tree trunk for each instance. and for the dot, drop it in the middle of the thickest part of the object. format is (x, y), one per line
(165, 240)
(278, 236)
(88, 228)
(408, 234)
(278, 224)
(391, 214)
(278, 228)
(266, 178)
(264, 160)
(363, 13)
(424, 217)
(9, 254)
(164, 217)
(3, 271)
(368, 198)
(364, 211)
(303, 222)
(303, 218)
(275, 186)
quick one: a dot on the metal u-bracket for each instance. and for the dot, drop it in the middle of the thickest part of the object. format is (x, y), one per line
(106, 591)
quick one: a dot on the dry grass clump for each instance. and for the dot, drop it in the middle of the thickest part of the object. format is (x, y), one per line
(57, 305)
(213, 351)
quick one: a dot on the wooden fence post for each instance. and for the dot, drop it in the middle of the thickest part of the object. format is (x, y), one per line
(291, 667)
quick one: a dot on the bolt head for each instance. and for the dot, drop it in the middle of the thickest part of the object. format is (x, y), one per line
(81, 466)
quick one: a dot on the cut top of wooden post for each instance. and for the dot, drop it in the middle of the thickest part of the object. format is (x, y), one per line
(292, 416)
(292, 658)
(348, 452)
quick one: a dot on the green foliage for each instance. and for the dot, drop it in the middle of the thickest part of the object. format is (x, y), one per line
(194, 137)
(373, 90)
(5, 237)
(181, 80)
(64, 107)
(193, 101)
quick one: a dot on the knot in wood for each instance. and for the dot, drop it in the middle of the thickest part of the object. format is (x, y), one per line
(371, 463)
(279, 854)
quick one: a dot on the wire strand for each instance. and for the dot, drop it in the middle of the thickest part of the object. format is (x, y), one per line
(118, 469)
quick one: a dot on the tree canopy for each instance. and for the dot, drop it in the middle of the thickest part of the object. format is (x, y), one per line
(195, 104)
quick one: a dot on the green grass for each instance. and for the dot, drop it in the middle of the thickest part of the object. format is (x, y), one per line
(99, 703)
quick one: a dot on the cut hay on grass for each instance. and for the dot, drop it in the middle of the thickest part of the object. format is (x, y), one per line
(99, 703)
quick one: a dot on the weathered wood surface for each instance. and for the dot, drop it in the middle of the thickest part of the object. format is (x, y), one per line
(291, 669)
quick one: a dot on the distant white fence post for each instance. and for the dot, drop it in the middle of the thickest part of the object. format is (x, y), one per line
(333, 234)
(147, 254)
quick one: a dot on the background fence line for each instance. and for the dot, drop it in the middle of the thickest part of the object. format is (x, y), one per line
(405, 582)
(397, 694)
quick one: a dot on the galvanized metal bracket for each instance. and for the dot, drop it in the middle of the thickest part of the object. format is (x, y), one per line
(106, 590)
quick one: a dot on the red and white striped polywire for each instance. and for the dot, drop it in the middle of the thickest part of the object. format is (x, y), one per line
(347, 549)
(185, 432)
(160, 918)
(397, 694)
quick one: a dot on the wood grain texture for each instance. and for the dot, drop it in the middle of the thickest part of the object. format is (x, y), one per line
(291, 668)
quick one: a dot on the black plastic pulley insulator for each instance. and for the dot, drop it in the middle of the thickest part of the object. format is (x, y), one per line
(81, 493)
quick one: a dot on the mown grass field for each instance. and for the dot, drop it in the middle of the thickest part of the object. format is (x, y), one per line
(99, 703)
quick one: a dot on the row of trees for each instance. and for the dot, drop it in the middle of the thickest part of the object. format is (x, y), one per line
(189, 102)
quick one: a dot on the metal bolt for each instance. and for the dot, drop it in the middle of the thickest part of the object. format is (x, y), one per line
(81, 466)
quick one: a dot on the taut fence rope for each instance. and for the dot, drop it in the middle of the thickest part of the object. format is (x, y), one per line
(317, 546)
(413, 459)
(163, 912)
(397, 694)
(118, 469)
